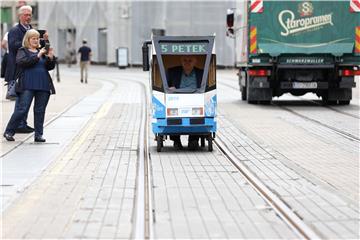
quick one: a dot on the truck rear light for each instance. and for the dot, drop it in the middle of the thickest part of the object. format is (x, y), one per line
(349, 72)
(172, 112)
(259, 72)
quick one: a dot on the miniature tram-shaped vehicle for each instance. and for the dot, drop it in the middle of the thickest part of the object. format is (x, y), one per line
(177, 110)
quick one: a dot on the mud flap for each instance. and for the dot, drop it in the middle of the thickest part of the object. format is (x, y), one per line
(258, 90)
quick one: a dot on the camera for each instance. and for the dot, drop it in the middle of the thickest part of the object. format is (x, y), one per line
(47, 46)
(42, 32)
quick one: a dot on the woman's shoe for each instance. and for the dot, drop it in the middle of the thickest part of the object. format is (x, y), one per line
(39, 139)
(8, 137)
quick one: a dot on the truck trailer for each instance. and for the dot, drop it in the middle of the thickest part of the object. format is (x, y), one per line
(296, 47)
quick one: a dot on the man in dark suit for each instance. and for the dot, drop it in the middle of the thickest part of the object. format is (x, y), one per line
(186, 76)
(15, 38)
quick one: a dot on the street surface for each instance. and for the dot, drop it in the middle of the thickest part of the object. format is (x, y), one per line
(82, 183)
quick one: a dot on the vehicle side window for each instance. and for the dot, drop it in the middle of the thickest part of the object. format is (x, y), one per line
(156, 77)
(211, 81)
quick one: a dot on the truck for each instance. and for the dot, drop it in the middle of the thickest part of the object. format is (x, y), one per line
(296, 47)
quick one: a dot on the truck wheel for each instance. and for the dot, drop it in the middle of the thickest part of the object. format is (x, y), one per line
(243, 93)
(159, 143)
(265, 102)
(326, 101)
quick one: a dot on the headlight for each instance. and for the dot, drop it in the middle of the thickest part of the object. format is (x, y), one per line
(197, 111)
(172, 112)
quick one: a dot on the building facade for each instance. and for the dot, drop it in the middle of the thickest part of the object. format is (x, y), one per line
(108, 25)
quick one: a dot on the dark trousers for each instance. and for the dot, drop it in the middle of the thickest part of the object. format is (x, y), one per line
(24, 102)
(22, 122)
(176, 138)
(3, 64)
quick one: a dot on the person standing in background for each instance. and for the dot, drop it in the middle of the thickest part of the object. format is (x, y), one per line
(5, 46)
(85, 59)
(70, 52)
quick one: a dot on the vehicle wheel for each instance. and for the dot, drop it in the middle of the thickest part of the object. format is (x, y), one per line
(243, 93)
(159, 143)
(210, 144)
(326, 101)
(265, 102)
(344, 102)
(202, 141)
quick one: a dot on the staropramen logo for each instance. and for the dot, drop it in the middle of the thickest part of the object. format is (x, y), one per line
(291, 25)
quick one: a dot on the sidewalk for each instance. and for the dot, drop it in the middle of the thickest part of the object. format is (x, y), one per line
(81, 182)
(68, 92)
(67, 112)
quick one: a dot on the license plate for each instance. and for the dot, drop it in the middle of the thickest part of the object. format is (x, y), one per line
(185, 111)
(304, 84)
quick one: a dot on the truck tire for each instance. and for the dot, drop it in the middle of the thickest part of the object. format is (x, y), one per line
(243, 93)
(344, 102)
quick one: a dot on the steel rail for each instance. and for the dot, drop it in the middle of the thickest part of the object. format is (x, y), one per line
(143, 201)
(316, 102)
(280, 207)
(143, 212)
(330, 107)
(335, 130)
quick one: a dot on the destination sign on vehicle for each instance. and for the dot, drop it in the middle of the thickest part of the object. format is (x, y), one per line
(184, 48)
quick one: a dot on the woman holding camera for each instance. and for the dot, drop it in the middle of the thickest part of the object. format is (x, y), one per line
(34, 82)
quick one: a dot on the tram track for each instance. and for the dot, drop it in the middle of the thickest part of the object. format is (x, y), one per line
(331, 108)
(143, 213)
(342, 133)
(314, 102)
(283, 210)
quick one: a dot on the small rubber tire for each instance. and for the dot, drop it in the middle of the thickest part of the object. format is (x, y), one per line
(210, 144)
(159, 143)
(202, 141)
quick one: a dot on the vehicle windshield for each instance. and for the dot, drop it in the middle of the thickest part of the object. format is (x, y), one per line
(184, 73)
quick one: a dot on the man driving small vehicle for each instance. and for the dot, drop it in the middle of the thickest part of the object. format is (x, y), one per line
(186, 76)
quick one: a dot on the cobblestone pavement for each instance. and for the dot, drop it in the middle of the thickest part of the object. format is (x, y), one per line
(308, 165)
(327, 213)
(316, 149)
(201, 195)
(87, 189)
(88, 192)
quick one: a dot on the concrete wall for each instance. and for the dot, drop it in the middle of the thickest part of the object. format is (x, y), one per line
(129, 23)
